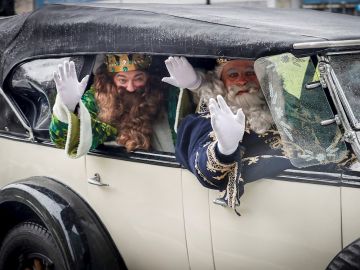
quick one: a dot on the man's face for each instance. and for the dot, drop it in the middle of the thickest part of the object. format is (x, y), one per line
(131, 80)
(240, 73)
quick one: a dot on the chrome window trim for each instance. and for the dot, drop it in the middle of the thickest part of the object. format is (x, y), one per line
(340, 53)
(340, 90)
(153, 158)
(327, 77)
(19, 116)
(343, 99)
(326, 44)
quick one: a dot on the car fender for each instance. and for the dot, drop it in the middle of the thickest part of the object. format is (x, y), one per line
(79, 233)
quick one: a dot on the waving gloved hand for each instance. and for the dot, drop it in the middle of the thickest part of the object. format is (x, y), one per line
(182, 74)
(68, 86)
(229, 128)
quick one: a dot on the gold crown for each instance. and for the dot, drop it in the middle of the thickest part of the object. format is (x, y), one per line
(127, 62)
(220, 61)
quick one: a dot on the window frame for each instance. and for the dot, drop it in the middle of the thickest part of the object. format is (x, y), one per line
(28, 135)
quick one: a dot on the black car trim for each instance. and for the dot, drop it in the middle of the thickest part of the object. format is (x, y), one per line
(340, 179)
(153, 158)
(76, 228)
(343, 52)
(308, 179)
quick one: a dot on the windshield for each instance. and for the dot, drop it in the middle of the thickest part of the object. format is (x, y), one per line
(298, 111)
(347, 71)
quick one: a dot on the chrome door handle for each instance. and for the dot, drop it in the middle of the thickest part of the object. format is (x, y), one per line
(96, 180)
(220, 201)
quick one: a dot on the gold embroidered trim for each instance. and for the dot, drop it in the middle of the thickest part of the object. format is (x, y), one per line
(252, 160)
(213, 164)
(199, 172)
(229, 170)
(202, 107)
(232, 186)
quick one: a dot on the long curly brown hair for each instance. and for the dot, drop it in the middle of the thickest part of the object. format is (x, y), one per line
(133, 114)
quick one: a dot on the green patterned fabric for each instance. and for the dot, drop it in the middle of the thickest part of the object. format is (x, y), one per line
(89, 101)
(101, 131)
(58, 132)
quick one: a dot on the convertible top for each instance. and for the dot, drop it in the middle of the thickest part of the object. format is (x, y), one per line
(192, 30)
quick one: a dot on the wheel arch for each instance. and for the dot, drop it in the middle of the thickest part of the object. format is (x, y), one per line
(80, 234)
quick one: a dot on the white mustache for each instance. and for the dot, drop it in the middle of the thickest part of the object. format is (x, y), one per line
(249, 87)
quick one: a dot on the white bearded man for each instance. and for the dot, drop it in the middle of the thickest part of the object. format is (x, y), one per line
(230, 140)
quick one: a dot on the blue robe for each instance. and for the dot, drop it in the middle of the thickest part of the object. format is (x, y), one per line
(258, 156)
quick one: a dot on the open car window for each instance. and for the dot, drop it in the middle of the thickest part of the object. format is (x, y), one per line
(163, 135)
(298, 111)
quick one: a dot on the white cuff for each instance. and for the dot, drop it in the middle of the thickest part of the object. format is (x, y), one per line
(85, 130)
(60, 110)
(85, 137)
(197, 83)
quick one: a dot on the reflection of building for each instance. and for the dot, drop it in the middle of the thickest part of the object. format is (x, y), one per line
(23, 6)
(339, 6)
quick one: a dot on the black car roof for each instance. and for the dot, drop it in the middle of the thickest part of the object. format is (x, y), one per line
(193, 30)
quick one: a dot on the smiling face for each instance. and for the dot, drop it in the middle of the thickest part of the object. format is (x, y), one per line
(243, 91)
(131, 80)
(240, 73)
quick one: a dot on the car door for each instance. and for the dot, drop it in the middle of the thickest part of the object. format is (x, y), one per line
(141, 206)
(292, 221)
(287, 223)
(26, 100)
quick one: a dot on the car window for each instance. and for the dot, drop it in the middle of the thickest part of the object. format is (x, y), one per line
(163, 135)
(33, 89)
(9, 122)
(298, 111)
(347, 71)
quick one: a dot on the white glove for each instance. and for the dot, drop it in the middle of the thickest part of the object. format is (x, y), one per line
(229, 128)
(182, 74)
(68, 87)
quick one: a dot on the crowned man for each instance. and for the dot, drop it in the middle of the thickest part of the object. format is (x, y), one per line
(231, 139)
(125, 104)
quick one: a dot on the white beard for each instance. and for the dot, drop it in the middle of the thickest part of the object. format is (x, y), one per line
(253, 104)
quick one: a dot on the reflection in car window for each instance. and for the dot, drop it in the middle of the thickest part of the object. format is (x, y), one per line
(9, 123)
(33, 88)
(298, 112)
(347, 70)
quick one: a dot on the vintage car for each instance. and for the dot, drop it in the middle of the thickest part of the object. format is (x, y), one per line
(142, 210)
